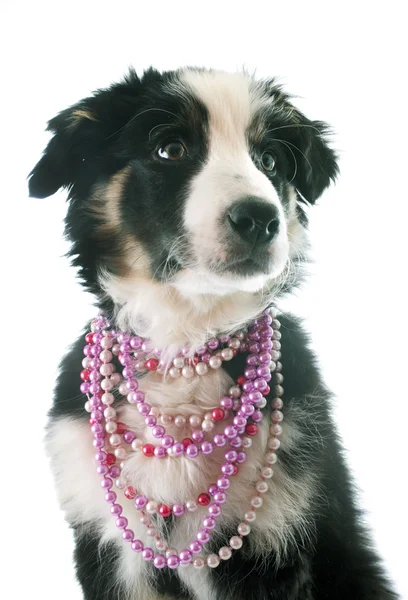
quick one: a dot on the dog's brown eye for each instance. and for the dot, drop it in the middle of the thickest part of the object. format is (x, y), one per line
(172, 151)
(268, 161)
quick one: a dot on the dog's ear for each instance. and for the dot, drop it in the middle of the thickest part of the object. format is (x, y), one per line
(314, 162)
(82, 135)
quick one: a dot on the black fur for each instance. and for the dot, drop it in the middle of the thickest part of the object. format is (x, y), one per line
(121, 127)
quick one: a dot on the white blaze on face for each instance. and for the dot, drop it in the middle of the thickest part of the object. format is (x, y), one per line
(228, 176)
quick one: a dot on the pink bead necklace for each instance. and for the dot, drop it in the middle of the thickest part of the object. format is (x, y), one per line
(245, 400)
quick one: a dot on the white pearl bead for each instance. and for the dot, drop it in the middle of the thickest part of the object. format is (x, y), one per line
(275, 429)
(85, 362)
(279, 390)
(201, 368)
(246, 442)
(187, 371)
(240, 335)
(191, 505)
(262, 403)
(108, 398)
(115, 440)
(224, 553)
(262, 487)
(236, 542)
(139, 365)
(151, 507)
(137, 445)
(155, 411)
(213, 561)
(106, 370)
(195, 421)
(198, 563)
(207, 425)
(273, 444)
(256, 502)
(145, 520)
(116, 378)
(279, 378)
(227, 354)
(111, 427)
(106, 342)
(267, 472)
(234, 343)
(175, 373)
(151, 532)
(271, 458)
(106, 385)
(120, 452)
(166, 419)
(109, 413)
(106, 356)
(250, 516)
(215, 362)
(120, 484)
(244, 529)
(123, 389)
(235, 391)
(180, 421)
(88, 406)
(178, 362)
(208, 416)
(171, 552)
(161, 545)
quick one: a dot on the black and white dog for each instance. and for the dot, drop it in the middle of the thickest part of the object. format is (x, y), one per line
(186, 216)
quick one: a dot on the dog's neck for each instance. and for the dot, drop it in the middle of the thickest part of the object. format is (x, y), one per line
(161, 314)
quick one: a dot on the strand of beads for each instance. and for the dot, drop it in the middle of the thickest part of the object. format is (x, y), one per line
(254, 386)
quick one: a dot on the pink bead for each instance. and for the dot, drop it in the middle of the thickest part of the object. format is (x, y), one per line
(220, 440)
(158, 431)
(140, 502)
(197, 435)
(178, 509)
(209, 523)
(212, 489)
(207, 448)
(144, 408)
(150, 421)
(230, 431)
(185, 557)
(220, 497)
(214, 510)
(160, 561)
(116, 510)
(226, 402)
(173, 561)
(257, 416)
(137, 546)
(110, 497)
(160, 452)
(167, 441)
(227, 469)
(203, 536)
(121, 522)
(148, 554)
(241, 457)
(129, 436)
(196, 547)
(177, 449)
(191, 451)
(106, 483)
(223, 483)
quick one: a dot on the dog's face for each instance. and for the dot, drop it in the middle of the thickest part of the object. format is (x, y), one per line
(191, 179)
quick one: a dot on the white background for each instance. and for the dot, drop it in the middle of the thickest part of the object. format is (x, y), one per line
(347, 62)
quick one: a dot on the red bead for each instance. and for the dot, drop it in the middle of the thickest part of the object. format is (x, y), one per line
(241, 380)
(196, 359)
(152, 364)
(92, 422)
(165, 510)
(99, 395)
(186, 442)
(89, 338)
(121, 428)
(110, 459)
(204, 499)
(130, 492)
(218, 414)
(251, 429)
(148, 450)
(266, 391)
(85, 373)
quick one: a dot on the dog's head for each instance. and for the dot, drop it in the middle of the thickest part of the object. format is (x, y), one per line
(186, 192)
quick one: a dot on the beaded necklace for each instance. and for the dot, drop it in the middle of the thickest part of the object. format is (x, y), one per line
(114, 440)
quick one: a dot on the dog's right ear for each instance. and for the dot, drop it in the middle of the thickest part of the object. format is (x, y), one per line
(83, 133)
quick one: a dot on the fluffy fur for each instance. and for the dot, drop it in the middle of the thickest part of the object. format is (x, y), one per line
(154, 168)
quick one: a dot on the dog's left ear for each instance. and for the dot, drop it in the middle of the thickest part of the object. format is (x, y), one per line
(314, 162)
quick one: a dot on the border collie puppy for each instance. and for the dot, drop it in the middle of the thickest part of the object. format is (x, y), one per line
(186, 216)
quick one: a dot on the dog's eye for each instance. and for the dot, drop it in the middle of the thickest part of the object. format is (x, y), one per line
(268, 161)
(172, 151)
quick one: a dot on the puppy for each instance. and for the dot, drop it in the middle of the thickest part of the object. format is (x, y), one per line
(186, 216)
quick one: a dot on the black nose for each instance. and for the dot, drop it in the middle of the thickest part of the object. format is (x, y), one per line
(255, 220)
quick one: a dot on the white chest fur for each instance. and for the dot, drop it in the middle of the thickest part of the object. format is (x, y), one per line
(170, 480)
